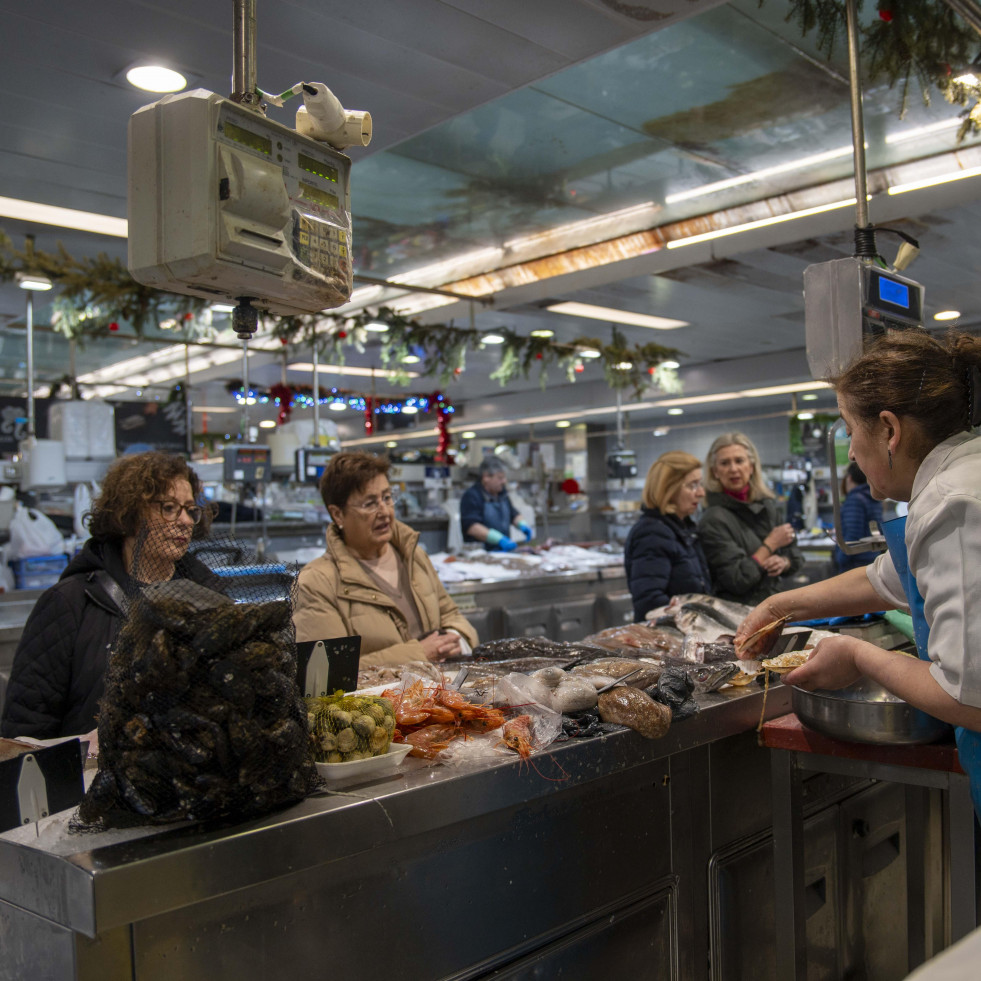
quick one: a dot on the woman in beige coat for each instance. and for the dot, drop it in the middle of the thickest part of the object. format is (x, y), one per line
(374, 581)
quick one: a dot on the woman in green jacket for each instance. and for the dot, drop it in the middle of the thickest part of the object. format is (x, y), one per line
(748, 551)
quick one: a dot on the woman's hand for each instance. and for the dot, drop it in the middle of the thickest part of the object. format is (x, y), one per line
(779, 537)
(831, 666)
(775, 565)
(439, 646)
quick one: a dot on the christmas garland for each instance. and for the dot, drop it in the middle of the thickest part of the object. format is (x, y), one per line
(921, 39)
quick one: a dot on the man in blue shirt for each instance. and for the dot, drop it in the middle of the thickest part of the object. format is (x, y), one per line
(486, 511)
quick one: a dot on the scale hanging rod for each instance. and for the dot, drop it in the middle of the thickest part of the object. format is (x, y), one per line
(244, 83)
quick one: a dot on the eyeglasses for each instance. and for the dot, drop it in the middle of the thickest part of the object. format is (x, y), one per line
(375, 504)
(171, 510)
(693, 485)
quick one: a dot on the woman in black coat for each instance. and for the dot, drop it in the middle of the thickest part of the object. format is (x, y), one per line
(141, 525)
(662, 555)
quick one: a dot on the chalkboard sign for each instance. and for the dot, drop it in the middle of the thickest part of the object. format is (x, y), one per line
(142, 426)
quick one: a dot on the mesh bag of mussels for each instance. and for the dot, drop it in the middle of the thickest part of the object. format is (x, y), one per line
(202, 716)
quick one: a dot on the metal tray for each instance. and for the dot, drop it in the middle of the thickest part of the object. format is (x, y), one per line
(866, 713)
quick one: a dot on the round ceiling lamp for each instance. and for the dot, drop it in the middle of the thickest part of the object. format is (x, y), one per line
(155, 78)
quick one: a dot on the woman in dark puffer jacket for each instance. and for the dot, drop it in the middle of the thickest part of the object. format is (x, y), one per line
(141, 526)
(662, 555)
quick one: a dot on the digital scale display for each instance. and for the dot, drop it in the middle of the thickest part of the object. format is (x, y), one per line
(893, 295)
(247, 138)
(318, 196)
(317, 167)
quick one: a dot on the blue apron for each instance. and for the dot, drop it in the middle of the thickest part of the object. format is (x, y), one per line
(968, 741)
(497, 515)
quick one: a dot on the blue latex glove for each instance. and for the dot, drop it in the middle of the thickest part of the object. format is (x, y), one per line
(506, 545)
(524, 529)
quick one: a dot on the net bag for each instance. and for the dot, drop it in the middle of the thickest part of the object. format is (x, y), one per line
(202, 717)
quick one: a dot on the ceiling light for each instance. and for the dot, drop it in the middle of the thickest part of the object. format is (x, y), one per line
(492, 339)
(624, 365)
(544, 332)
(337, 406)
(947, 315)
(968, 78)
(155, 78)
(955, 175)
(670, 365)
(47, 214)
(695, 192)
(391, 444)
(762, 223)
(267, 424)
(376, 327)
(661, 431)
(616, 316)
(409, 410)
(563, 424)
(411, 359)
(804, 416)
(809, 397)
(676, 412)
(214, 408)
(589, 353)
(346, 369)
(918, 131)
(469, 434)
(35, 282)
(581, 226)
(222, 307)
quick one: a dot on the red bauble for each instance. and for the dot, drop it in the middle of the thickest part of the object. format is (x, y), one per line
(538, 357)
(885, 15)
(114, 327)
(342, 334)
(283, 341)
(189, 315)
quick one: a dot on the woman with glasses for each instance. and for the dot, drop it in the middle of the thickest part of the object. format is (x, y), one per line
(662, 555)
(374, 581)
(141, 525)
(747, 546)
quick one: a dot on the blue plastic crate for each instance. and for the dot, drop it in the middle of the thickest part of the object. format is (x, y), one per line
(38, 571)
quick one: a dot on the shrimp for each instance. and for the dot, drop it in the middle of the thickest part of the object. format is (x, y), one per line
(429, 741)
(517, 735)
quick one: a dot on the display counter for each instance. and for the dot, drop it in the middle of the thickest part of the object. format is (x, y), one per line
(613, 856)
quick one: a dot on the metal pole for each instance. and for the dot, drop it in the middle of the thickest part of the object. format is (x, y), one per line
(30, 364)
(316, 393)
(858, 126)
(969, 10)
(188, 410)
(245, 392)
(243, 63)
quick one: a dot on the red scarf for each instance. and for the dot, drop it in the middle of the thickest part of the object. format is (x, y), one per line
(740, 495)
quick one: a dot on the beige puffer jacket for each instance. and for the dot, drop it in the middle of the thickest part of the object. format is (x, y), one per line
(337, 598)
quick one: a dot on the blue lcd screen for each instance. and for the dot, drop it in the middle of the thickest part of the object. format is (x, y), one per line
(892, 292)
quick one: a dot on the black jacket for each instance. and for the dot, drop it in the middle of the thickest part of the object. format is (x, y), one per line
(730, 531)
(663, 557)
(57, 676)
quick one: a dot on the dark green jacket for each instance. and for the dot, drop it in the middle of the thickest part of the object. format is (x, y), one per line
(730, 532)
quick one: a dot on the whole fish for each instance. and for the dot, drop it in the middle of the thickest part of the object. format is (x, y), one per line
(693, 622)
(733, 611)
(710, 677)
(713, 613)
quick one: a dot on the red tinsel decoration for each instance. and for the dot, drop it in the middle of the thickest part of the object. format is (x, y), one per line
(442, 431)
(284, 394)
(369, 416)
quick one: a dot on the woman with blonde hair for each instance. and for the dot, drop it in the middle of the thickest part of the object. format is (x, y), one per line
(662, 555)
(747, 549)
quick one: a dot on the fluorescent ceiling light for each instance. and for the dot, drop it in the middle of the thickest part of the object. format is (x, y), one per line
(48, 214)
(805, 416)
(34, 282)
(214, 408)
(956, 175)
(221, 308)
(809, 397)
(578, 226)
(756, 393)
(346, 369)
(696, 192)
(968, 78)
(670, 365)
(762, 223)
(391, 444)
(676, 412)
(376, 327)
(155, 78)
(337, 406)
(468, 435)
(616, 316)
(589, 353)
(543, 333)
(410, 410)
(411, 359)
(267, 424)
(492, 339)
(563, 424)
(918, 131)
(947, 315)
(624, 365)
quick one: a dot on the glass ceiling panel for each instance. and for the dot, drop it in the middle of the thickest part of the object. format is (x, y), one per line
(731, 92)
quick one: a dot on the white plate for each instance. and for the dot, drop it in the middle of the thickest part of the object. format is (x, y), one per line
(374, 766)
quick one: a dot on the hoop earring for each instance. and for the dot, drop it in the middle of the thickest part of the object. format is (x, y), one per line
(890, 457)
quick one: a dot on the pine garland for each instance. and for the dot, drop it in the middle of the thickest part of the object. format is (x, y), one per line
(921, 39)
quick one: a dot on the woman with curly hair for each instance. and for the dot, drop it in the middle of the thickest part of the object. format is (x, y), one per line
(141, 525)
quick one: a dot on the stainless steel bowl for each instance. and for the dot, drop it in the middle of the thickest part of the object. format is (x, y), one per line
(866, 713)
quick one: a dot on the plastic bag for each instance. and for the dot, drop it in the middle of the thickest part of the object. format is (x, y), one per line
(33, 533)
